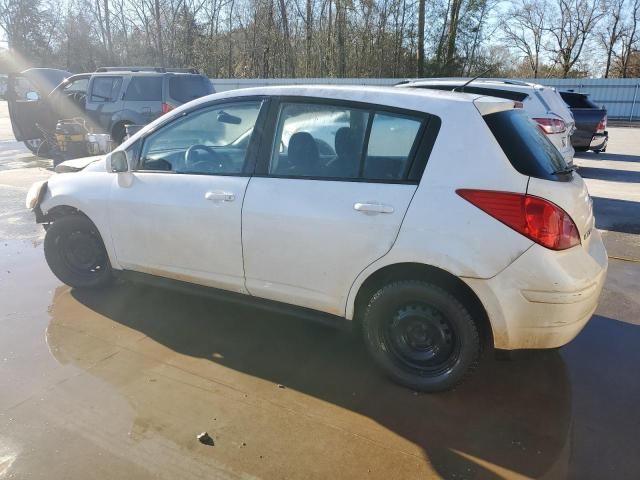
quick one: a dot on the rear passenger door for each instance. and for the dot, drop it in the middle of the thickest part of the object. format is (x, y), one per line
(144, 97)
(103, 100)
(328, 198)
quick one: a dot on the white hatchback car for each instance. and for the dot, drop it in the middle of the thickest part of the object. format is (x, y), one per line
(437, 221)
(544, 104)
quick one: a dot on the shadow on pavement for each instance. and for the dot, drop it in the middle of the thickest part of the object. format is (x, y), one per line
(616, 157)
(514, 415)
(610, 174)
(617, 215)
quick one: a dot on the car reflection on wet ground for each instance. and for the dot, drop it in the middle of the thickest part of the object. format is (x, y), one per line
(118, 383)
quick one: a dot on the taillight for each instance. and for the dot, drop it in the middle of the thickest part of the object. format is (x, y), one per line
(167, 107)
(534, 217)
(551, 125)
(602, 125)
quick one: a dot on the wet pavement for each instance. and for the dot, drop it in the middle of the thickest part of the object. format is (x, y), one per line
(118, 383)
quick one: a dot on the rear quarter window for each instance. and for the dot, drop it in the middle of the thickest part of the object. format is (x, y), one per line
(525, 145)
(185, 88)
(145, 89)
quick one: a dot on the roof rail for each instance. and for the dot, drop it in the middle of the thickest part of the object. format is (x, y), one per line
(146, 69)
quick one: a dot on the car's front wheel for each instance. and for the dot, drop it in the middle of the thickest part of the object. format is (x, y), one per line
(37, 146)
(75, 253)
(421, 335)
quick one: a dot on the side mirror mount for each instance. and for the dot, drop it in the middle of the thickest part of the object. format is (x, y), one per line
(32, 96)
(117, 162)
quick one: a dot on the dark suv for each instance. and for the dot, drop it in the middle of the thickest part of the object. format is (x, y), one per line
(105, 101)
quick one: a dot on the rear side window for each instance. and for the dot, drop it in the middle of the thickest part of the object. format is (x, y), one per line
(185, 88)
(343, 143)
(144, 89)
(105, 89)
(390, 144)
(525, 145)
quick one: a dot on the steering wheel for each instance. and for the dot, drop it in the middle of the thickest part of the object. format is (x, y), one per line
(191, 160)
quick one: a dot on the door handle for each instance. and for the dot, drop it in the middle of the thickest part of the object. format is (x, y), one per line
(373, 208)
(220, 196)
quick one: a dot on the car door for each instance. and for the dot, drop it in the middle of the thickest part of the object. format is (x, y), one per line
(103, 100)
(327, 198)
(178, 213)
(144, 96)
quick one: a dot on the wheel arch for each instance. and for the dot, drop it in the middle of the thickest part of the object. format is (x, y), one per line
(67, 208)
(428, 273)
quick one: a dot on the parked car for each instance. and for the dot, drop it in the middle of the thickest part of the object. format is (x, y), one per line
(439, 222)
(105, 101)
(543, 104)
(591, 123)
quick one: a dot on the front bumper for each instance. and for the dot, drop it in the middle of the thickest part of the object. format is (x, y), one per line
(544, 298)
(599, 141)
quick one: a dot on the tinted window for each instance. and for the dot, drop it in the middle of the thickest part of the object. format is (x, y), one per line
(326, 141)
(213, 140)
(185, 88)
(105, 89)
(78, 86)
(525, 145)
(577, 100)
(146, 89)
(318, 141)
(390, 145)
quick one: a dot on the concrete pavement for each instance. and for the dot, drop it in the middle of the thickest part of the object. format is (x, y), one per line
(117, 384)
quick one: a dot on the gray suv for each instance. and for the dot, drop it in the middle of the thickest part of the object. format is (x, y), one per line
(105, 101)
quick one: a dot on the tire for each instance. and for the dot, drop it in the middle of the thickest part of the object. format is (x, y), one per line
(581, 149)
(37, 146)
(75, 253)
(421, 335)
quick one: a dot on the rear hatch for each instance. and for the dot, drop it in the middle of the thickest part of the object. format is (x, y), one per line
(532, 154)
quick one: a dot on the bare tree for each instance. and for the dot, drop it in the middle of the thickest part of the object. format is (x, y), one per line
(630, 40)
(523, 28)
(574, 23)
(421, 11)
(610, 35)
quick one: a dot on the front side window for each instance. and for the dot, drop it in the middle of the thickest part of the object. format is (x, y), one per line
(105, 89)
(340, 142)
(213, 140)
(144, 89)
(77, 86)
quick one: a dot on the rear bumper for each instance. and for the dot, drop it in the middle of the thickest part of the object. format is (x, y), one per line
(599, 141)
(544, 298)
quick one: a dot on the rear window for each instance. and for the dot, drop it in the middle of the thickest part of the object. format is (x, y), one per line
(525, 145)
(145, 89)
(185, 88)
(577, 100)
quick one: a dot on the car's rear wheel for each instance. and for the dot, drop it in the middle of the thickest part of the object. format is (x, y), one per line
(421, 335)
(75, 253)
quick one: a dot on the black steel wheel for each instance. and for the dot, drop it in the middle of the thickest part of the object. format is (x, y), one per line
(75, 253)
(421, 335)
